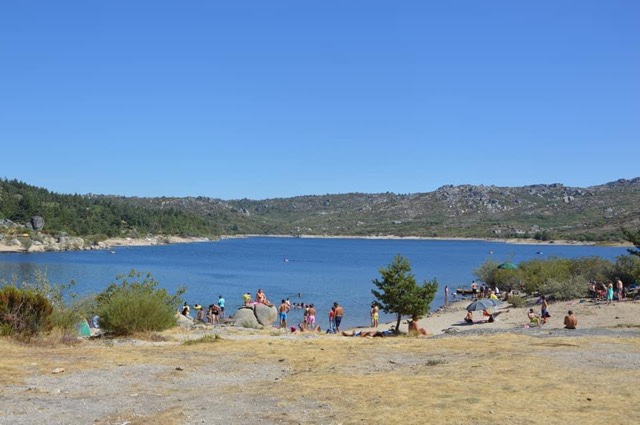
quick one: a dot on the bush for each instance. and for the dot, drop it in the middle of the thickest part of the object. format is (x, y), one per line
(24, 312)
(137, 306)
(517, 301)
(206, 339)
(565, 289)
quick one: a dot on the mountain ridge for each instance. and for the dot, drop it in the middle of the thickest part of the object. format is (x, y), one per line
(539, 211)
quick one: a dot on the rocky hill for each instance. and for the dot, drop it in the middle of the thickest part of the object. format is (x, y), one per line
(541, 212)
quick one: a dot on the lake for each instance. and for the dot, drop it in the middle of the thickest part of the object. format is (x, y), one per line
(309, 270)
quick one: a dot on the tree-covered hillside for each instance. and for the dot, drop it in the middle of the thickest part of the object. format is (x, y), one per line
(542, 212)
(95, 216)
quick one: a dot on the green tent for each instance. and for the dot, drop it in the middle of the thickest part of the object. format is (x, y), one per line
(507, 266)
(83, 328)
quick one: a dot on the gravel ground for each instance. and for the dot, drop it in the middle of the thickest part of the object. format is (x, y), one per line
(185, 385)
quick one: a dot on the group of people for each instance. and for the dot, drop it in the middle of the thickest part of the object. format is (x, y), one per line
(308, 323)
(479, 291)
(570, 320)
(211, 315)
(607, 292)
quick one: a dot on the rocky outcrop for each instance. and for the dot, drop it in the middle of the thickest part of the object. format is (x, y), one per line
(255, 316)
(183, 321)
(246, 318)
(36, 223)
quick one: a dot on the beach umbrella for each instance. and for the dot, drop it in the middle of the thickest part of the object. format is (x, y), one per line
(507, 266)
(483, 304)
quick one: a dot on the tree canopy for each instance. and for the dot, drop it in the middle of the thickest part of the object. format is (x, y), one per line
(634, 238)
(399, 293)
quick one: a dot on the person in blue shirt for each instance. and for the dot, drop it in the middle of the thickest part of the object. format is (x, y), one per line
(221, 305)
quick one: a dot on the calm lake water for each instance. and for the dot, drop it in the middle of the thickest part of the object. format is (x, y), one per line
(309, 270)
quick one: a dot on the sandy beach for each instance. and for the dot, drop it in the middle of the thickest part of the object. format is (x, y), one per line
(590, 315)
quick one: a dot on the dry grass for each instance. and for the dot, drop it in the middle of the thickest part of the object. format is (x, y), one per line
(502, 378)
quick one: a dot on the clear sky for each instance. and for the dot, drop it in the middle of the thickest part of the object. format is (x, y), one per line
(265, 99)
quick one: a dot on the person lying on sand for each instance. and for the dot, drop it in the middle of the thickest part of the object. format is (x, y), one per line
(368, 333)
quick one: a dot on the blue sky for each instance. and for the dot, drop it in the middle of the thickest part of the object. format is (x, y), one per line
(266, 99)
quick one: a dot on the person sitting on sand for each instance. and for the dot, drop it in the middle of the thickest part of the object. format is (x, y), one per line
(185, 310)
(200, 313)
(469, 317)
(414, 329)
(301, 329)
(533, 318)
(487, 315)
(570, 320)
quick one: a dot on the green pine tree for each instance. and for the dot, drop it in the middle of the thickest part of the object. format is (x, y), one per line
(399, 293)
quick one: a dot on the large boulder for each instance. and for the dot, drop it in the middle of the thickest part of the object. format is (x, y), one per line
(266, 315)
(246, 318)
(183, 321)
(37, 222)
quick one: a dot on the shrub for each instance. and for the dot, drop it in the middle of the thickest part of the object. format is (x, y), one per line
(565, 289)
(627, 268)
(137, 305)
(207, 339)
(517, 301)
(24, 312)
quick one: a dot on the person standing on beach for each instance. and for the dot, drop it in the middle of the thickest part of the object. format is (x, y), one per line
(339, 314)
(221, 305)
(332, 321)
(620, 288)
(609, 293)
(446, 294)
(375, 314)
(283, 309)
(544, 310)
(311, 317)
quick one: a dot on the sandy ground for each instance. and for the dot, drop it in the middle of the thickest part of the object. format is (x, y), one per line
(486, 373)
(590, 315)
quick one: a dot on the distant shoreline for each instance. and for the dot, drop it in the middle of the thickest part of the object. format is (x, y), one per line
(6, 247)
(514, 241)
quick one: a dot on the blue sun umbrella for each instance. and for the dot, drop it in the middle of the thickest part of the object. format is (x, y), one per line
(483, 304)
